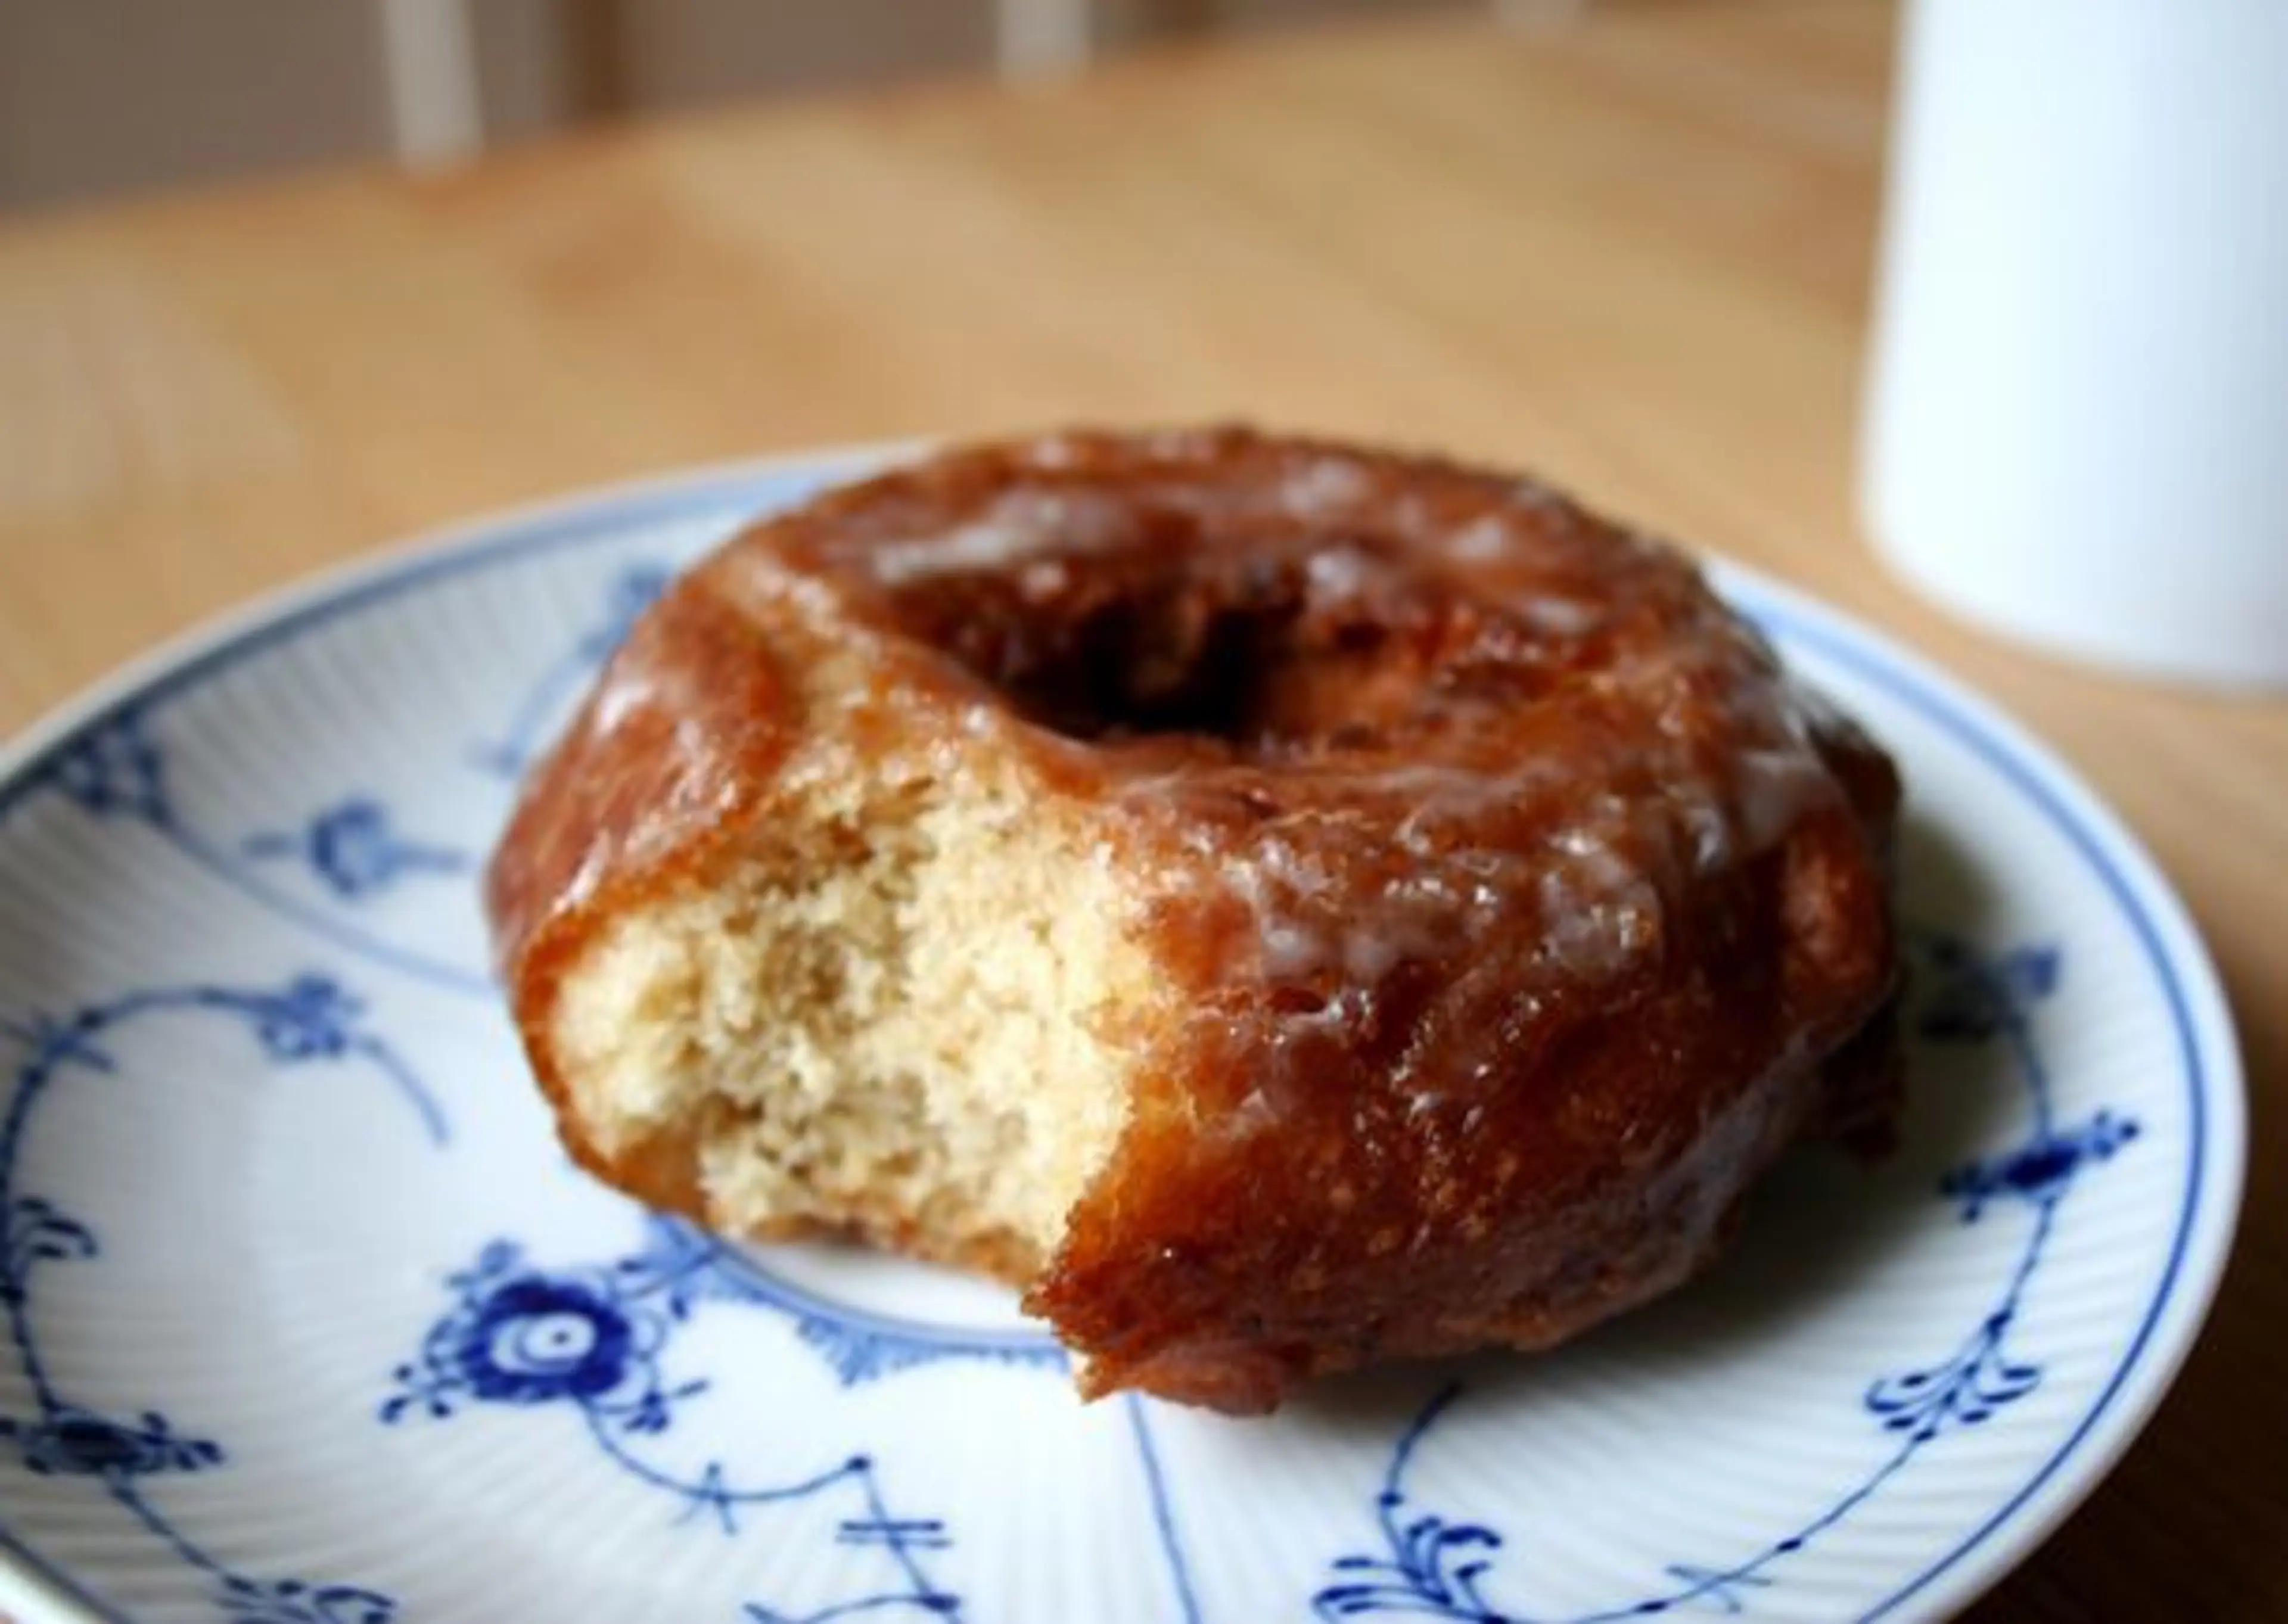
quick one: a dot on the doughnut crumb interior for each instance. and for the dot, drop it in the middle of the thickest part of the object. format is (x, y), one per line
(1281, 904)
(891, 1019)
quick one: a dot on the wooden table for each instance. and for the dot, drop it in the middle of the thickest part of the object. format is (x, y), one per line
(1633, 252)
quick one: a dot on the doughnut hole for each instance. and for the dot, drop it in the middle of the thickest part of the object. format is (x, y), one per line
(1246, 654)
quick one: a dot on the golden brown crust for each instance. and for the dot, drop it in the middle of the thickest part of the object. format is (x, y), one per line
(1390, 1125)
(655, 772)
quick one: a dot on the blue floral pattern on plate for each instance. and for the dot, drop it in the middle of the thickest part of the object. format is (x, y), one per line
(535, 1335)
(632, 591)
(117, 770)
(594, 1341)
(354, 846)
(311, 1022)
(1435, 1566)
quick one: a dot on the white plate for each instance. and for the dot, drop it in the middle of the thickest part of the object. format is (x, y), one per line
(309, 1322)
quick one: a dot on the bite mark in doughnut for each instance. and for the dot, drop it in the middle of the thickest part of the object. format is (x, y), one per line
(1283, 905)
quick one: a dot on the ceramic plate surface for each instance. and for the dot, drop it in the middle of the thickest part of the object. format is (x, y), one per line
(308, 1321)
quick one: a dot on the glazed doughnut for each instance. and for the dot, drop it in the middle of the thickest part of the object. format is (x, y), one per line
(1281, 904)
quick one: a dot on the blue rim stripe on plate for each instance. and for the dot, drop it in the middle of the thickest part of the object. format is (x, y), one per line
(1882, 667)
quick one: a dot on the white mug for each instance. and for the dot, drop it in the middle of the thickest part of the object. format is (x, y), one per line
(2076, 427)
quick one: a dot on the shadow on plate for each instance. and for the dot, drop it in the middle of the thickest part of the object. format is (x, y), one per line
(1817, 1223)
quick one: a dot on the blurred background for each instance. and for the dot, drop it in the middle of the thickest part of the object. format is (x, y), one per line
(105, 98)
